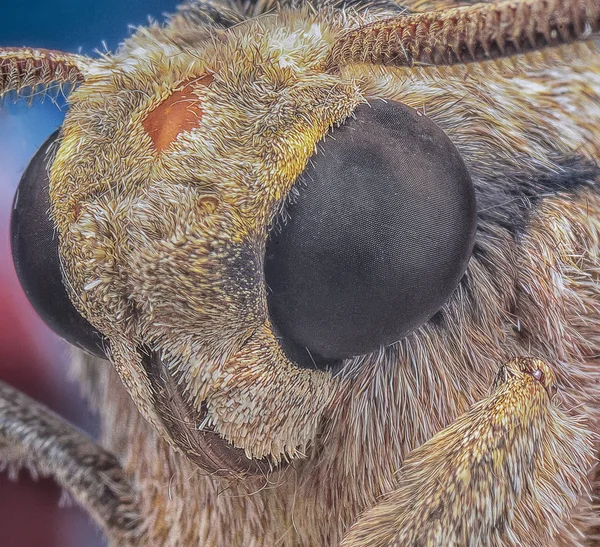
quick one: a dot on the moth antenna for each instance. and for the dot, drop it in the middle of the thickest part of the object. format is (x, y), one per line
(39, 69)
(468, 34)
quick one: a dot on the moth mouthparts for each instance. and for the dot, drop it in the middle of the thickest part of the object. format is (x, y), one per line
(185, 425)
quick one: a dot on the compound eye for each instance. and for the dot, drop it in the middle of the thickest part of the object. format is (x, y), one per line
(377, 238)
(34, 243)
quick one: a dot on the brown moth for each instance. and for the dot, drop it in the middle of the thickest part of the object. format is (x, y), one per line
(259, 380)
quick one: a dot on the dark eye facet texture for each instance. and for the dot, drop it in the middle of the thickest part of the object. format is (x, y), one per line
(34, 243)
(377, 238)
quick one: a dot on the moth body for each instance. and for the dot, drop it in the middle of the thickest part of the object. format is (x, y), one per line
(169, 185)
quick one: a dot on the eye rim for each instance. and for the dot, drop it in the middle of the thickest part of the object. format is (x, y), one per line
(459, 179)
(36, 258)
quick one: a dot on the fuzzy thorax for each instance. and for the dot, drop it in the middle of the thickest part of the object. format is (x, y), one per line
(514, 454)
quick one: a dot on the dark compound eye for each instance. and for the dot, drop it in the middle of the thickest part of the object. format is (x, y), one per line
(377, 240)
(35, 255)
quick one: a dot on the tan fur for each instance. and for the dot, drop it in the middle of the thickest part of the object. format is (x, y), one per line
(148, 239)
(501, 472)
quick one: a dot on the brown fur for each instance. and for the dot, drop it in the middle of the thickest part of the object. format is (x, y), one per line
(151, 243)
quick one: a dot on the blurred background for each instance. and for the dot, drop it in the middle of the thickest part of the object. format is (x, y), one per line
(31, 357)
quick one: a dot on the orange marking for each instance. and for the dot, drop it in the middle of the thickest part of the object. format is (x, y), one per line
(179, 112)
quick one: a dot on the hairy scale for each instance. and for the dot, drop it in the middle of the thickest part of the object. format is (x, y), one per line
(409, 445)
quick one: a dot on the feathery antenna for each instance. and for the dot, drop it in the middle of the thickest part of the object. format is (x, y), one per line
(36, 70)
(480, 32)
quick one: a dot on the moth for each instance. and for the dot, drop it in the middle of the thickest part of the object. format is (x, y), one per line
(331, 272)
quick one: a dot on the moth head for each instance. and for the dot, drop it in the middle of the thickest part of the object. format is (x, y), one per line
(231, 223)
